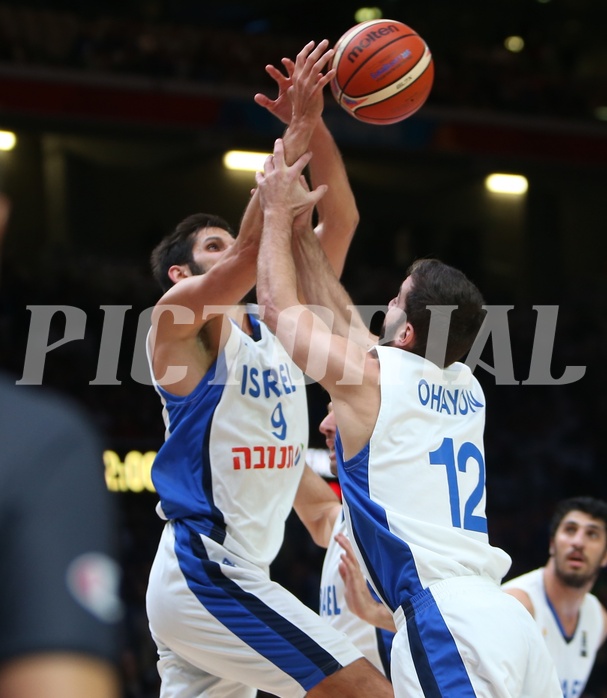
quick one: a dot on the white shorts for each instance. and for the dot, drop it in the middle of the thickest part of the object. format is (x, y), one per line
(466, 637)
(223, 629)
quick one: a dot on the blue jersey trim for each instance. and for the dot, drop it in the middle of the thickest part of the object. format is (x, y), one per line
(557, 620)
(189, 433)
(261, 627)
(388, 559)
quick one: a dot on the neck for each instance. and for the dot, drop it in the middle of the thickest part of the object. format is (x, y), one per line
(565, 599)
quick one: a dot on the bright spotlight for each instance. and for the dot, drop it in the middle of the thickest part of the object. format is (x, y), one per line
(514, 44)
(8, 140)
(600, 113)
(364, 14)
(244, 160)
(506, 184)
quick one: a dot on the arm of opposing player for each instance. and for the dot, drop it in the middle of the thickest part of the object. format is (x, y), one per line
(317, 506)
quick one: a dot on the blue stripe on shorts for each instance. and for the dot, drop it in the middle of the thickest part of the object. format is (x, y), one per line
(249, 618)
(440, 669)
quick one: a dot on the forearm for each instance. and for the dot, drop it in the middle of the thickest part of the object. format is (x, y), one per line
(317, 507)
(338, 215)
(322, 289)
(276, 276)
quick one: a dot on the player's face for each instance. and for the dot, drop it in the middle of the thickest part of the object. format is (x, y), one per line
(327, 428)
(210, 246)
(395, 316)
(579, 549)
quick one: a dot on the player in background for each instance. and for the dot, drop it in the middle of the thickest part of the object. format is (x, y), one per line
(572, 621)
(321, 511)
(60, 612)
(236, 415)
(410, 455)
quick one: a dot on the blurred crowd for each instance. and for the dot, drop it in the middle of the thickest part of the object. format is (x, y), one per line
(561, 71)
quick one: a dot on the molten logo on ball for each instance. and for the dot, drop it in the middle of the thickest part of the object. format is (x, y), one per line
(384, 71)
(369, 39)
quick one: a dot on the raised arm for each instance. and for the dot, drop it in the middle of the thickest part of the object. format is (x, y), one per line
(343, 367)
(321, 288)
(300, 103)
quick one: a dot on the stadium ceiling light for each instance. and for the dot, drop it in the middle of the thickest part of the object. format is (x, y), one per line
(506, 184)
(8, 140)
(244, 160)
(364, 14)
(600, 113)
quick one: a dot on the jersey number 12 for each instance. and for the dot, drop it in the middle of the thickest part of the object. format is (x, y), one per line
(445, 455)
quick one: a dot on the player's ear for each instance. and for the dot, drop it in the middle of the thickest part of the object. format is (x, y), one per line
(405, 338)
(178, 272)
(604, 560)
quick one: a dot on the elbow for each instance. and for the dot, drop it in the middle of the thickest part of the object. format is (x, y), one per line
(355, 220)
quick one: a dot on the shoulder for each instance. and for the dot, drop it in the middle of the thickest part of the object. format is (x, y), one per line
(523, 597)
(526, 588)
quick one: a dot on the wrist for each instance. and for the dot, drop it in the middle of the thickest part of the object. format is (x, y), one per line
(279, 216)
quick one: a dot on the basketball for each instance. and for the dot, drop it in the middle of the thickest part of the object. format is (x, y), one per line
(384, 71)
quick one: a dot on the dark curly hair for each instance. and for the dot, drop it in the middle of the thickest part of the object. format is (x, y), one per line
(176, 247)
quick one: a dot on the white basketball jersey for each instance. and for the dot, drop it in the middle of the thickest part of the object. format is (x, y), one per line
(374, 643)
(574, 656)
(415, 494)
(235, 447)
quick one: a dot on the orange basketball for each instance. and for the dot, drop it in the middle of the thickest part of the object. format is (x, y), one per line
(384, 71)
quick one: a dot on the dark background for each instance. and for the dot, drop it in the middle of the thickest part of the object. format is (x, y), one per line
(123, 111)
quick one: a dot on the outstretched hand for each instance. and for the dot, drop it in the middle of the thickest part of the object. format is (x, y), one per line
(280, 185)
(300, 89)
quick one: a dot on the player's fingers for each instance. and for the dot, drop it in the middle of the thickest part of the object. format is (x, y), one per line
(326, 78)
(289, 66)
(303, 54)
(275, 74)
(262, 100)
(319, 192)
(317, 53)
(324, 60)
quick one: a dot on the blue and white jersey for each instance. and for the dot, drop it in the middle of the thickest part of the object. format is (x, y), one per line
(573, 656)
(415, 494)
(374, 643)
(235, 447)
